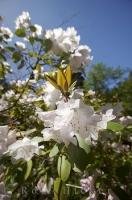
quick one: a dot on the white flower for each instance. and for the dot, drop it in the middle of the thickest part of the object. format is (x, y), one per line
(24, 149)
(20, 83)
(9, 94)
(80, 58)
(77, 93)
(51, 95)
(71, 118)
(23, 21)
(112, 195)
(63, 41)
(6, 32)
(108, 116)
(126, 120)
(3, 194)
(6, 138)
(91, 92)
(39, 31)
(87, 185)
(3, 104)
(45, 186)
(20, 45)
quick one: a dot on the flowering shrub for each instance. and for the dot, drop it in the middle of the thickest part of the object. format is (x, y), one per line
(56, 141)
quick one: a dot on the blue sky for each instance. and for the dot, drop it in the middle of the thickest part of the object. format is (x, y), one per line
(104, 25)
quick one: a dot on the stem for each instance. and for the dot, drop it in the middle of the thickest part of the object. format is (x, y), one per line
(59, 191)
(74, 186)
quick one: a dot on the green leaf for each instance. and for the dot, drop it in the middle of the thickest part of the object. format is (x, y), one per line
(12, 49)
(59, 190)
(32, 40)
(48, 45)
(16, 56)
(78, 156)
(33, 28)
(64, 168)
(28, 170)
(83, 144)
(54, 151)
(114, 126)
(20, 32)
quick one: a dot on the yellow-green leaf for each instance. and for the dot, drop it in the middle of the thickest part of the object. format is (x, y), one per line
(64, 168)
(28, 170)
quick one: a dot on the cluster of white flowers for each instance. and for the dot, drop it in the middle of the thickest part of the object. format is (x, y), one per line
(6, 138)
(63, 41)
(80, 58)
(68, 41)
(72, 118)
(6, 33)
(23, 21)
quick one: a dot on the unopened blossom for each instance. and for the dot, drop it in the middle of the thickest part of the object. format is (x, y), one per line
(71, 118)
(6, 138)
(23, 21)
(51, 95)
(44, 186)
(6, 32)
(63, 40)
(20, 45)
(80, 58)
(24, 149)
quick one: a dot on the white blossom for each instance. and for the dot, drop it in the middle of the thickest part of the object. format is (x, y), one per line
(51, 95)
(71, 118)
(5, 31)
(39, 31)
(9, 94)
(6, 138)
(87, 185)
(126, 120)
(23, 149)
(63, 41)
(112, 195)
(23, 21)
(3, 194)
(44, 187)
(80, 58)
(3, 103)
(20, 45)
(106, 117)
(91, 92)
